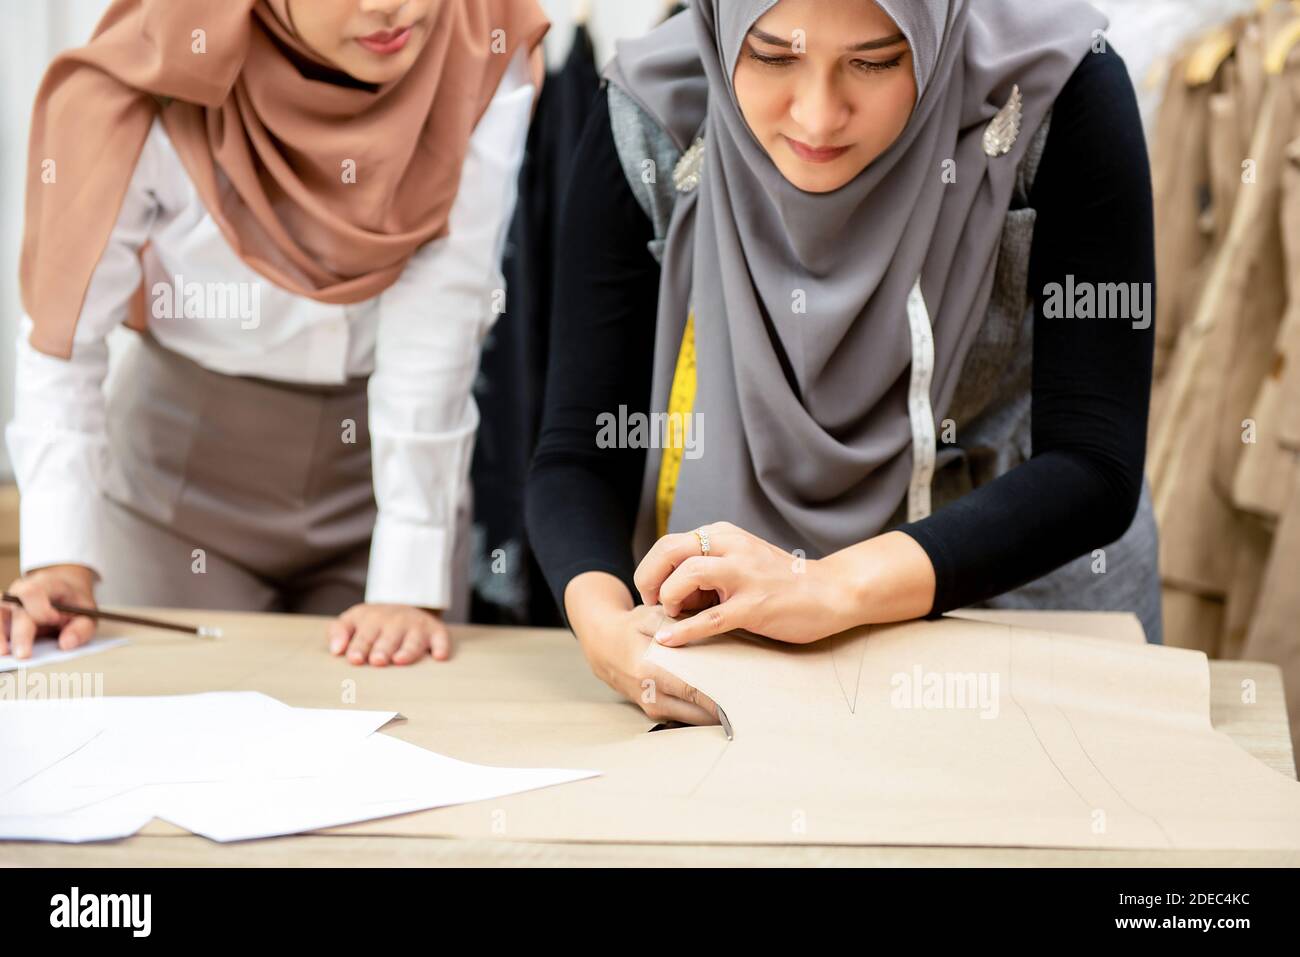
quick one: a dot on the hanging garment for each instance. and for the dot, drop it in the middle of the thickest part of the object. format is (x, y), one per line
(1179, 176)
(1197, 519)
(1219, 463)
(1263, 480)
(1287, 362)
(1273, 635)
(1251, 351)
(1191, 621)
(508, 585)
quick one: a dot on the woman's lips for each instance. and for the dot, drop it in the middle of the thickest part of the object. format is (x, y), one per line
(386, 42)
(811, 154)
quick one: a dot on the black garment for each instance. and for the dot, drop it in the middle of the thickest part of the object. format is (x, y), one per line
(1091, 377)
(513, 367)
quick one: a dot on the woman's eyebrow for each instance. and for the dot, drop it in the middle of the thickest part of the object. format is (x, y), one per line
(766, 37)
(877, 44)
(882, 42)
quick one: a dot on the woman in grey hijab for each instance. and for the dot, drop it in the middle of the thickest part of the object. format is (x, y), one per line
(834, 243)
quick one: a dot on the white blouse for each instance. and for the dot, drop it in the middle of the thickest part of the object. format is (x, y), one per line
(419, 342)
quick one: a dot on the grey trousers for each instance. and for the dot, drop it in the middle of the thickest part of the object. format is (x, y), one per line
(237, 493)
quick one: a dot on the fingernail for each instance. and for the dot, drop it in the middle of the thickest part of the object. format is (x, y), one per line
(663, 634)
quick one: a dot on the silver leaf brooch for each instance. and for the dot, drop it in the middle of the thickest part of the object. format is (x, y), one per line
(686, 174)
(1000, 135)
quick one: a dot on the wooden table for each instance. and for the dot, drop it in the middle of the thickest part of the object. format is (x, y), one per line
(508, 693)
(9, 569)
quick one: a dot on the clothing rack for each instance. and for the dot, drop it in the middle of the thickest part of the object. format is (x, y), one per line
(1224, 439)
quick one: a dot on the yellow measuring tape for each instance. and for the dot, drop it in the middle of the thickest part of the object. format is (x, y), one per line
(681, 399)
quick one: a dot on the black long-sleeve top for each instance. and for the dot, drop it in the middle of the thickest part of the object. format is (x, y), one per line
(1090, 386)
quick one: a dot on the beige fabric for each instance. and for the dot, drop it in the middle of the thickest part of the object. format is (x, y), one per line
(1095, 743)
(1203, 411)
(1226, 419)
(1178, 169)
(1275, 632)
(1288, 358)
(1250, 556)
(1192, 621)
(1264, 477)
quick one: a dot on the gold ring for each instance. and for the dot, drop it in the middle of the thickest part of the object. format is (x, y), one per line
(703, 536)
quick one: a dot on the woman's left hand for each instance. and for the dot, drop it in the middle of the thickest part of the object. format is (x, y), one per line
(389, 634)
(744, 582)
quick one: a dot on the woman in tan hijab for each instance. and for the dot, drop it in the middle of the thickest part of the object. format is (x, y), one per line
(299, 205)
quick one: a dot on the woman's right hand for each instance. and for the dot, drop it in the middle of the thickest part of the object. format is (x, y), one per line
(73, 584)
(615, 635)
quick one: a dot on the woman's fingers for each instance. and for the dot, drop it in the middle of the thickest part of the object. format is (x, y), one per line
(22, 633)
(414, 647)
(389, 640)
(76, 633)
(363, 639)
(665, 696)
(675, 709)
(441, 640)
(721, 618)
(671, 550)
(36, 603)
(26, 619)
(340, 632)
(668, 686)
(664, 556)
(694, 575)
(381, 635)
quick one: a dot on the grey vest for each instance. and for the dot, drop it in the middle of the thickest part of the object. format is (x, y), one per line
(990, 409)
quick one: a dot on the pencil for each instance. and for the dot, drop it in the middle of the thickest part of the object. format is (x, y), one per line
(202, 631)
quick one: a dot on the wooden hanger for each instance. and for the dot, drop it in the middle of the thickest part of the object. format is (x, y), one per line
(1279, 50)
(1208, 55)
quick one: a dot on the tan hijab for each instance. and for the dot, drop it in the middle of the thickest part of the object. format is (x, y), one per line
(265, 145)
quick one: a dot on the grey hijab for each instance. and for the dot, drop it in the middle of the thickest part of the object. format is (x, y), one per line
(806, 438)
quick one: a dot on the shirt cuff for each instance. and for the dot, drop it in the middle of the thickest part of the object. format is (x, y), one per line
(59, 530)
(409, 564)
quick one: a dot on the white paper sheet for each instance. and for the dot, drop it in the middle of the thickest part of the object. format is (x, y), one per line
(377, 777)
(45, 651)
(33, 740)
(106, 819)
(226, 765)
